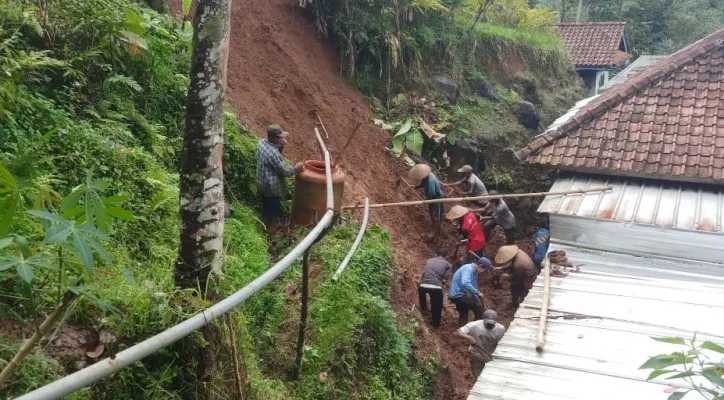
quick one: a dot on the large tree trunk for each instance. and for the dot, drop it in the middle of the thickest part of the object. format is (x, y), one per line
(201, 175)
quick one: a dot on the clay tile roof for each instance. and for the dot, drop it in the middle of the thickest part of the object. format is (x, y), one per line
(593, 43)
(665, 122)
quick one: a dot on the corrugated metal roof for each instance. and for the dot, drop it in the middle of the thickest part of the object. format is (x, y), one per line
(665, 204)
(641, 63)
(599, 329)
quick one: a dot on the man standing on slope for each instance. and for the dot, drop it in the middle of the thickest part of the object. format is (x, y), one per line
(464, 291)
(469, 228)
(474, 186)
(437, 271)
(423, 177)
(483, 337)
(523, 272)
(271, 171)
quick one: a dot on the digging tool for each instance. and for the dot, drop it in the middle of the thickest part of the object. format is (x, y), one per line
(326, 134)
(409, 187)
(544, 306)
(486, 197)
(349, 140)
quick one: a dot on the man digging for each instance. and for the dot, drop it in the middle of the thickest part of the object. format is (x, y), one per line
(464, 291)
(483, 337)
(424, 179)
(437, 271)
(473, 185)
(522, 271)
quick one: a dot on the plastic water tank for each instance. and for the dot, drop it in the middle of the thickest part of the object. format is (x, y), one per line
(310, 192)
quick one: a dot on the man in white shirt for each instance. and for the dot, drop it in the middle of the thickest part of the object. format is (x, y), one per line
(483, 337)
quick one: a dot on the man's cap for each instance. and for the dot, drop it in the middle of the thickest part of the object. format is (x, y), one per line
(457, 212)
(506, 253)
(466, 169)
(490, 317)
(276, 131)
(419, 172)
(484, 262)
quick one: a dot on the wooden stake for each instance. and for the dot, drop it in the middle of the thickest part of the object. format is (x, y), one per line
(349, 140)
(235, 359)
(303, 315)
(486, 197)
(544, 306)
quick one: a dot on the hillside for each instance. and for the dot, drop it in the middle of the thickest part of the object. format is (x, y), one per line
(280, 72)
(90, 131)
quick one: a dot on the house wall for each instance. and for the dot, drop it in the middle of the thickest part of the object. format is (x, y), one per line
(595, 80)
(637, 239)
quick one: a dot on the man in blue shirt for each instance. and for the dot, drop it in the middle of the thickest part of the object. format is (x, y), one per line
(421, 174)
(541, 240)
(464, 291)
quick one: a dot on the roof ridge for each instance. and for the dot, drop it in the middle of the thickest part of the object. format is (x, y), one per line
(625, 91)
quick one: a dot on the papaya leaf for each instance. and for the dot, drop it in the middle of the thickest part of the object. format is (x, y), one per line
(120, 213)
(84, 253)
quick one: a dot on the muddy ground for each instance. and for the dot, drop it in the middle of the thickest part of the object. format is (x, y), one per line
(281, 73)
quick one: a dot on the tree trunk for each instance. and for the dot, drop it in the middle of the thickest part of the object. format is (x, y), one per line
(201, 175)
(160, 6)
(578, 12)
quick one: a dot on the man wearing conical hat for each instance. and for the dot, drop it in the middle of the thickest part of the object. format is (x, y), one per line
(469, 227)
(422, 176)
(522, 271)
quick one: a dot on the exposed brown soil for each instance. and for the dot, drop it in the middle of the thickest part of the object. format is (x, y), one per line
(280, 72)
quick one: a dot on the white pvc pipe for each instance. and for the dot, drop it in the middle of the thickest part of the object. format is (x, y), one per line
(356, 243)
(107, 367)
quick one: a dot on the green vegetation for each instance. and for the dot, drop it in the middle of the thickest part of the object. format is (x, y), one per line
(652, 26)
(91, 118)
(397, 51)
(699, 364)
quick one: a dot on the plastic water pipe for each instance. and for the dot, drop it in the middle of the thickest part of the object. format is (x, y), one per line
(107, 367)
(356, 243)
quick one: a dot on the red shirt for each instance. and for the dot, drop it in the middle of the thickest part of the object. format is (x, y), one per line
(476, 238)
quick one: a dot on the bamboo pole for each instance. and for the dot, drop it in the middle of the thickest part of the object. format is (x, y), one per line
(322, 123)
(486, 197)
(541, 341)
(349, 140)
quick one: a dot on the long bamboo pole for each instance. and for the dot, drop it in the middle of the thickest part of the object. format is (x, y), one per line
(486, 197)
(544, 306)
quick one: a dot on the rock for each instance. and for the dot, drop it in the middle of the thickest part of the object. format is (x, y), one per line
(464, 152)
(528, 115)
(486, 90)
(448, 87)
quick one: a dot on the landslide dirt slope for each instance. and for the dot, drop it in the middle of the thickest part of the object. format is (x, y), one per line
(280, 72)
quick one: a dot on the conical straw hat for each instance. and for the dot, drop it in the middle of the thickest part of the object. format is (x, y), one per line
(419, 172)
(457, 212)
(506, 253)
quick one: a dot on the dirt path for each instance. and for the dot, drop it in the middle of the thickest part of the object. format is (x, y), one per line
(279, 72)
